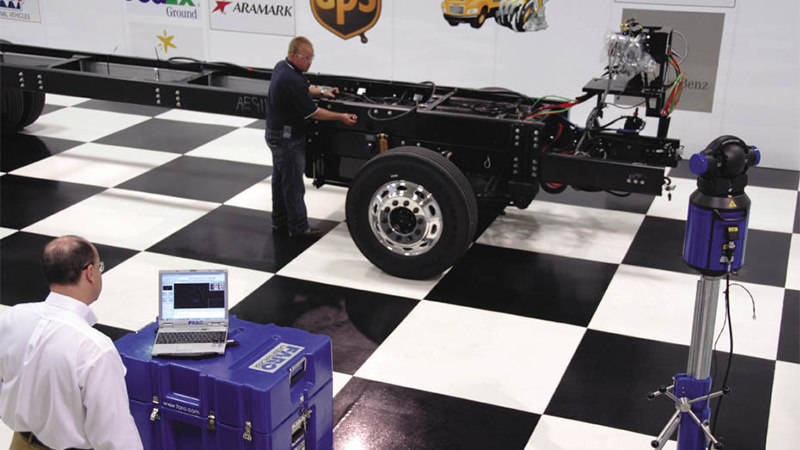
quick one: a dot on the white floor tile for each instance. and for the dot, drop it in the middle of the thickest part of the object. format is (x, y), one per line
(678, 207)
(783, 432)
(81, 124)
(566, 230)
(771, 209)
(339, 380)
(130, 290)
(336, 260)
(327, 202)
(63, 100)
(245, 145)
(793, 268)
(209, 118)
(477, 355)
(556, 433)
(5, 435)
(96, 164)
(659, 304)
(124, 218)
(3, 308)
(6, 232)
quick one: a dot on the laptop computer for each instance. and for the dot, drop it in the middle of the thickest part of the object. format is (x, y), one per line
(192, 313)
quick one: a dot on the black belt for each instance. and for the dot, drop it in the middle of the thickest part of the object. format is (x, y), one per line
(31, 438)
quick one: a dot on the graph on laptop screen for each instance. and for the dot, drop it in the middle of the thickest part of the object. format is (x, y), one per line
(193, 296)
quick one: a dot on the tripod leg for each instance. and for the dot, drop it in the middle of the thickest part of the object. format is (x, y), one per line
(668, 431)
(703, 427)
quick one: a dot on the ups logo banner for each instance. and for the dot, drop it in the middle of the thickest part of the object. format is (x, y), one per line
(347, 18)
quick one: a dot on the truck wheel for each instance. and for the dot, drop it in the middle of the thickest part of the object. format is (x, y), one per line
(32, 108)
(478, 21)
(452, 22)
(411, 212)
(12, 109)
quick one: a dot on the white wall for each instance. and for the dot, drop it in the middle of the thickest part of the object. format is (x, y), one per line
(757, 91)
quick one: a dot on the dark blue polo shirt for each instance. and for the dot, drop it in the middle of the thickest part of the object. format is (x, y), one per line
(288, 100)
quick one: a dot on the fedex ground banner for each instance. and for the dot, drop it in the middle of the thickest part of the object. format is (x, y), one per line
(185, 10)
(253, 16)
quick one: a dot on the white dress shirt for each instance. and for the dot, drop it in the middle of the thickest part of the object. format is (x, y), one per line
(61, 379)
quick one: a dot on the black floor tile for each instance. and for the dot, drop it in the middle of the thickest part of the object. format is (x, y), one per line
(756, 176)
(659, 244)
(609, 377)
(19, 150)
(199, 178)
(373, 415)
(166, 135)
(356, 321)
(238, 237)
(525, 283)
(258, 124)
(48, 108)
(112, 332)
(127, 108)
(635, 203)
(766, 258)
(21, 277)
(789, 343)
(27, 200)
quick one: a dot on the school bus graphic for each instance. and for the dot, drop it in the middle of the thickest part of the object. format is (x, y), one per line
(474, 12)
(519, 15)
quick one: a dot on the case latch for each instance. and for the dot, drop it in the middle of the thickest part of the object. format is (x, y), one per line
(248, 431)
(212, 421)
(154, 414)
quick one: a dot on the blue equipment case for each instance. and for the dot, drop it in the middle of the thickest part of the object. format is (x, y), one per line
(272, 391)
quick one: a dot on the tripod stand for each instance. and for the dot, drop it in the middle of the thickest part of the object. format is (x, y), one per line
(714, 244)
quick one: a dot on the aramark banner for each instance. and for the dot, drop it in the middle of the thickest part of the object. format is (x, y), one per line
(21, 10)
(186, 10)
(253, 16)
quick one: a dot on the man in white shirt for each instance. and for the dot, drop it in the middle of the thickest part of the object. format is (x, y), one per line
(62, 383)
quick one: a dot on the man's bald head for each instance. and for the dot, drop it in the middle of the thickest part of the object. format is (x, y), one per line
(65, 257)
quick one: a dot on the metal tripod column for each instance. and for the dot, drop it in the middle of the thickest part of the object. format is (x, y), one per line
(697, 380)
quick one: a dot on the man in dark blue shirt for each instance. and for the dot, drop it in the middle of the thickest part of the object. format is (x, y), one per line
(289, 104)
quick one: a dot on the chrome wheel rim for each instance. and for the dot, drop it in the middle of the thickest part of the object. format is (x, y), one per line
(405, 218)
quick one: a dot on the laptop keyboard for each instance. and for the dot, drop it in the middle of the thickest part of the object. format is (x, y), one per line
(191, 337)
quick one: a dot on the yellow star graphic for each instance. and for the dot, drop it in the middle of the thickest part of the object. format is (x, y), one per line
(166, 41)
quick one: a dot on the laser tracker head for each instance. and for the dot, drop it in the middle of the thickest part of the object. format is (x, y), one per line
(722, 166)
(719, 210)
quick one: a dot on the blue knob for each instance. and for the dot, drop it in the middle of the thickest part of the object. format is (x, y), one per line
(698, 163)
(758, 155)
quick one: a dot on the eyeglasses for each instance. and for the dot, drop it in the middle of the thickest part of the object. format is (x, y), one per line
(100, 266)
(305, 57)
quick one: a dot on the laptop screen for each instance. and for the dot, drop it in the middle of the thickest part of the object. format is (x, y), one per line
(193, 295)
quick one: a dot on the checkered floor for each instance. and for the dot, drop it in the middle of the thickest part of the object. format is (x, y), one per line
(547, 334)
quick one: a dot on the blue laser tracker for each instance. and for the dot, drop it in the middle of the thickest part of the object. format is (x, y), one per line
(714, 245)
(716, 226)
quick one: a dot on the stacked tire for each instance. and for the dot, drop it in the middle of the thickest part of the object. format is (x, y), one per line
(18, 109)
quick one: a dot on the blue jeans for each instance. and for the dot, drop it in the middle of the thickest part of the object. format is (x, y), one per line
(288, 189)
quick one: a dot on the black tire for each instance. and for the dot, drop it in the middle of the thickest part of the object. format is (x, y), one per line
(34, 104)
(478, 21)
(439, 229)
(13, 106)
(453, 23)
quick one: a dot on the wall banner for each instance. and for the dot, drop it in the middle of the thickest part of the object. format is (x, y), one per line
(253, 16)
(347, 18)
(179, 10)
(702, 31)
(154, 41)
(20, 10)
